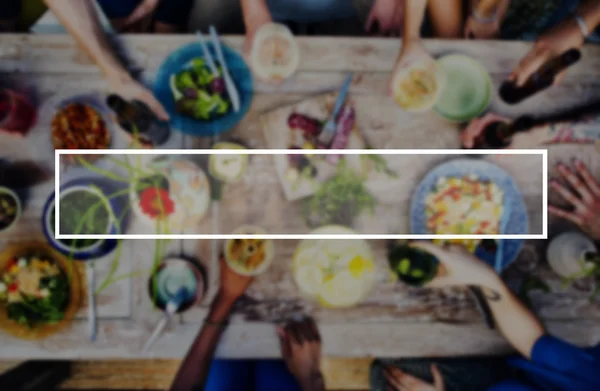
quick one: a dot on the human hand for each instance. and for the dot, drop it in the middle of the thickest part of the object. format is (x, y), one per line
(389, 16)
(143, 10)
(585, 200)
(399, 380)
(412, 52)
(476, 127)
(233, 285)
(459, 267)
(301, 351)
(552, 44)
(130, 89)
(253, 23)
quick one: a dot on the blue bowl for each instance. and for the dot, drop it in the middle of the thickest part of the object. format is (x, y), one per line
(177, 61)
(102, 247)
(517, 224)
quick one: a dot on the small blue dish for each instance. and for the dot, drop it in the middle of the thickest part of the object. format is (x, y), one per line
(176, 62)
(102, 247)
(517, 223)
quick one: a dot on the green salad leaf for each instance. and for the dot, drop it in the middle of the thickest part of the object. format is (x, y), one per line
(32, 311)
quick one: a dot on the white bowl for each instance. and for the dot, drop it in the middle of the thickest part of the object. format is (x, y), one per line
(269, 251)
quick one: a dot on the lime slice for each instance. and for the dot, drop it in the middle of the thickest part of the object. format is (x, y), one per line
(227, 168)
(310, 279)
(313, 257)
(343, 290)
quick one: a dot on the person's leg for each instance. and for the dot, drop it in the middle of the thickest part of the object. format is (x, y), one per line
(446, 18)
(273, 375)
(172, 16)
(228, 375)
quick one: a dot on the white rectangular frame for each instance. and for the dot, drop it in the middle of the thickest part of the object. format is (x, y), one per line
(543, 152)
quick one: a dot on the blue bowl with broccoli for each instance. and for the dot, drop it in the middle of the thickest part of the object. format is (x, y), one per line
(196, 99)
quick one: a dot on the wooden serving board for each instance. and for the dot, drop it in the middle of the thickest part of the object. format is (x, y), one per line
(279, 136)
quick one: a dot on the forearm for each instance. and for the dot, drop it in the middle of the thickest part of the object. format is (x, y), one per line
(254, 10)
(487, 8)
(193, 372)
(81, 20)
(589, 11)
(413, 18)
(515, 321)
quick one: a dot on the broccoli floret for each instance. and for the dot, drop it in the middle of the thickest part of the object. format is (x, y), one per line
(184, 80)
(198, 63)
(203, 77)
(222, 104)
(202, 110)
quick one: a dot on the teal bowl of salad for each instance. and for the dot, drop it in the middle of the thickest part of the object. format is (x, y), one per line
(195, 98)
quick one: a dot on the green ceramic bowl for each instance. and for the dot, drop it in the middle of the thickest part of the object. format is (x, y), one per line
(468, 90)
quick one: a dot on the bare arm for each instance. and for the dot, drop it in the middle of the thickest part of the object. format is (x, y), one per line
(256, 13)
(589, 11)
(81, 21)
(193, 372)
(556, 41)
(516, 322)
(487, 8)
(413, 18)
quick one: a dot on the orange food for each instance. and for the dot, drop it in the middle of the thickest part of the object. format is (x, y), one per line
(79, 126)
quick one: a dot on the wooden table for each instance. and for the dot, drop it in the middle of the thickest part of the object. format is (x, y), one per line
(395, 321)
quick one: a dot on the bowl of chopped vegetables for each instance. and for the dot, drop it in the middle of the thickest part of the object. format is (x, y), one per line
(10, 209)
(40, 290)
(196, 99)
(84, 210)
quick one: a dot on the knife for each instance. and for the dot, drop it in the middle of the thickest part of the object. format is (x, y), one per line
(207, 56)
(92, 311)
(234, 95)
(330, 127)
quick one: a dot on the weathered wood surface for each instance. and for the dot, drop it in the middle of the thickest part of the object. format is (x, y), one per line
(341, 374)
(395, 320)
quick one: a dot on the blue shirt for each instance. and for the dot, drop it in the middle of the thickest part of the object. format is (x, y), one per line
(556, 366)
(310, 11)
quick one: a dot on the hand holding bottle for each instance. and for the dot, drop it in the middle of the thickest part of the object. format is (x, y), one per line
(550, 45)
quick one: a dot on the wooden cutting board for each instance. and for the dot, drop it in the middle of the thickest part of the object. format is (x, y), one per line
(279, 136)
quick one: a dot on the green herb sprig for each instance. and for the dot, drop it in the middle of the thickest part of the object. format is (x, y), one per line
(339, 200)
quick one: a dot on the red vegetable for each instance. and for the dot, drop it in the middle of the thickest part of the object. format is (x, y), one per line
(13, 287)
(12, 262)
(156, 203)
(310, 126)
(217, 86)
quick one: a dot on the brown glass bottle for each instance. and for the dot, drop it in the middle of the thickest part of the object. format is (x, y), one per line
(499, 134)
(139, 121)
(540, 80)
